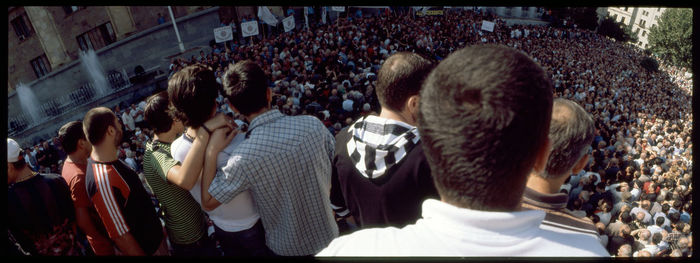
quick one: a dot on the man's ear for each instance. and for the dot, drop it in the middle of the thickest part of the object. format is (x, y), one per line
(580, 164)
(268, 93)
(411, 108)
(111, 130)
(542, 156)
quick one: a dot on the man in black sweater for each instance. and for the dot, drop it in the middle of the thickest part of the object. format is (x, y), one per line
(380, 175)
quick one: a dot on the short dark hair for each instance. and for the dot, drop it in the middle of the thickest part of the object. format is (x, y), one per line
(660, 221)
(96, 122)
(625, 217)
(400, 77)
(157, 113)
(69, 134)
(657, 238)
(192, 92)
(674, 217)
(484, 115)
(571, 131)
(245, 86)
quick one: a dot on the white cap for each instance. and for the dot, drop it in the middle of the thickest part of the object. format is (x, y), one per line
(13, 151)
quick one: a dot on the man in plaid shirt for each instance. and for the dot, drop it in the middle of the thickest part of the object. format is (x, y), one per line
(285, 162)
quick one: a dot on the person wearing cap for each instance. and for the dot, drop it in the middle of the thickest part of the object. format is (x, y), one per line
(116, 191)
(78, 148)
(40, 214)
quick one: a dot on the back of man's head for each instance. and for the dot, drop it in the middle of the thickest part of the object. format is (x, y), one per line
(69, 134)
(96, 123)
(245, 86)
(625, 251)
(660, 221)
(656, 238)
(644, 235)
(157, 114)
(484, 117)
(192, 92)
(400, 77)
(625, 217)
(570, 132)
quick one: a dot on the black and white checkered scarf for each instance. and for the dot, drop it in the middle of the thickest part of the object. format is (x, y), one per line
(378, 143)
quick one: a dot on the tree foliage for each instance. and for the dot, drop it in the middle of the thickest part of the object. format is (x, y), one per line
(672, 38)
(650, 64)
(617, 30)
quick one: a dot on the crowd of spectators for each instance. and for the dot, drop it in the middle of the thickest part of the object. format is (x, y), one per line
(636, 187)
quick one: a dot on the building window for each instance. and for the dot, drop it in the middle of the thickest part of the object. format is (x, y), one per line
(22, 26)
(615, 17)
(70, 9)
(642, 23)
(623, 19)
(97, 38)
(41, 66)
(644, 33)
(626, 8)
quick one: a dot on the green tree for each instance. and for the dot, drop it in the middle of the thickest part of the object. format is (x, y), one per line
(617, 30)
(672, 38)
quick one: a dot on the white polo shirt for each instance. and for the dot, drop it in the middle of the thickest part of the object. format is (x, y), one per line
(447, 230)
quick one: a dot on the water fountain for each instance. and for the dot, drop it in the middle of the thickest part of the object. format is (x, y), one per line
(28, 102)
(92, 66)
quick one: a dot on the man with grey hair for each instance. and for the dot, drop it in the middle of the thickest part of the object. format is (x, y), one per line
(625, 251)
(571, 130)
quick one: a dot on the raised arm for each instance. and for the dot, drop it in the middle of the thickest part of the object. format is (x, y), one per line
(186, 175)
(219, 141)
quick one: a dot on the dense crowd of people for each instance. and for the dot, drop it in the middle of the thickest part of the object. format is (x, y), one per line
(633, 191)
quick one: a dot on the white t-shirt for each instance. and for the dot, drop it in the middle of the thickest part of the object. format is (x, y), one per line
(128, 122)
(237, 215)
(447, 230)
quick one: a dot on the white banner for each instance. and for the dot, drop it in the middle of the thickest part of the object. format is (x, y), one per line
(249, 28)
(338, 8)
(323, 14)
(306, 17)
(487, 25)
(288, 23)
(223, 34)
(266, 16)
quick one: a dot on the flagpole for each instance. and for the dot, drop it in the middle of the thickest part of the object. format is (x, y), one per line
(177, 33)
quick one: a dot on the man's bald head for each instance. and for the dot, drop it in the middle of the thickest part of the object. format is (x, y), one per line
(400, 77)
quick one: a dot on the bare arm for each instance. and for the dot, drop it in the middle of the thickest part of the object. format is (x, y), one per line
(127, 244)
(186, 175)
(88, 226)
(219, 141)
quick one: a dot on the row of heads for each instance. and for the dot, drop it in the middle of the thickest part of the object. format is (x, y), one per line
(484, 115)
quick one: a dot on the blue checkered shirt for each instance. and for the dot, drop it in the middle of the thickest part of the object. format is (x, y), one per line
(286, 164)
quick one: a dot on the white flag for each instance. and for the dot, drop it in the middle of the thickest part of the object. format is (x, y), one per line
(288, 23)
(249, 28)
(223, 34)
(338, 8)
(487, 25)
(266, 16)
(323, 14)
(306, 16)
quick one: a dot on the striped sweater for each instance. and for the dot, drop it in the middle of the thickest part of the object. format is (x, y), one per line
(558, 218)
